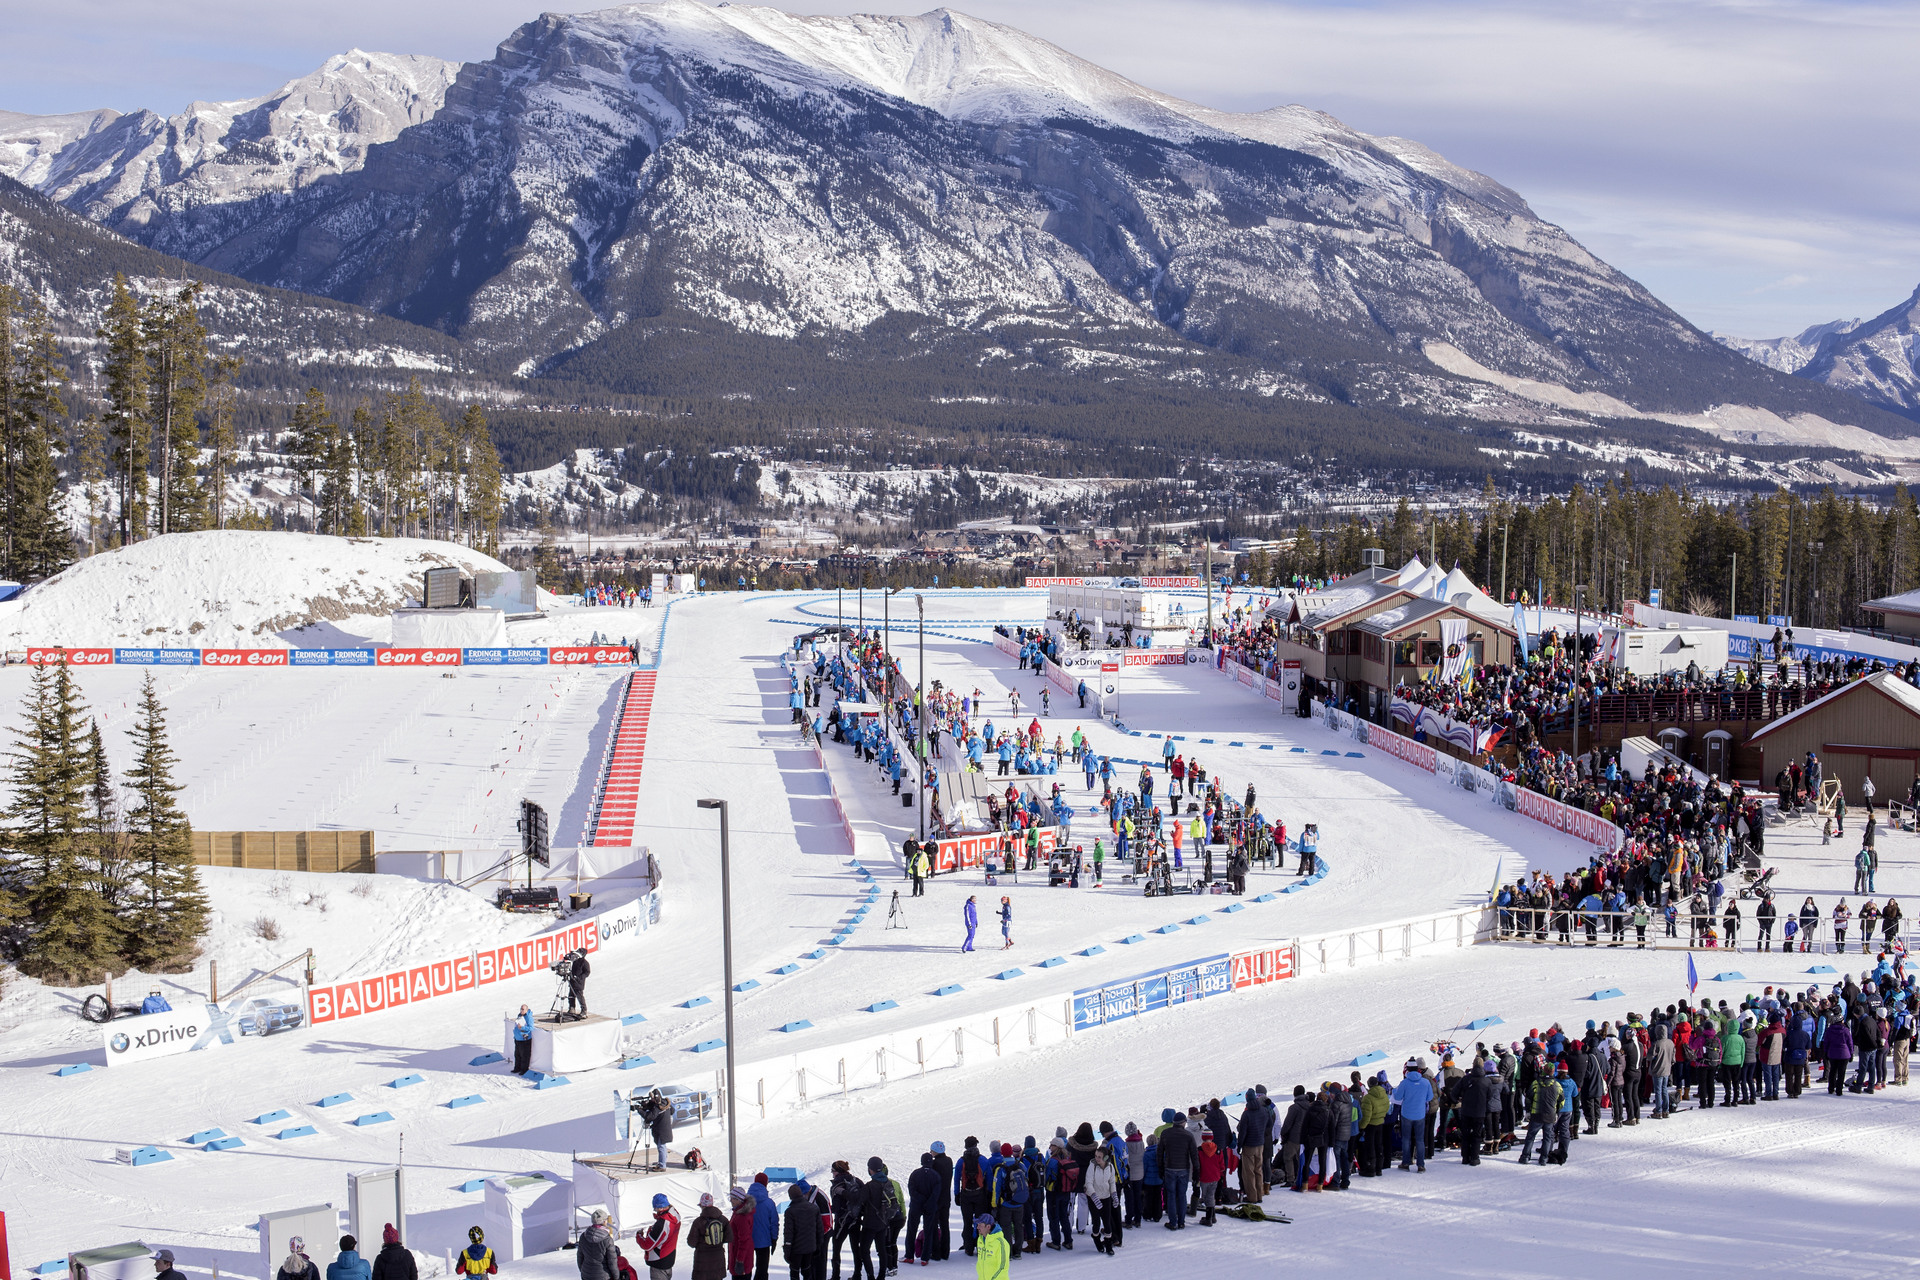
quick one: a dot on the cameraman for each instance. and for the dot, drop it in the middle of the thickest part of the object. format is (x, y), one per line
(577, 971)
(656, 1112)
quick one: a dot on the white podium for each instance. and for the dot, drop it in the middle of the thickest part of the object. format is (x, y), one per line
(566, 1046)
(627, 1192)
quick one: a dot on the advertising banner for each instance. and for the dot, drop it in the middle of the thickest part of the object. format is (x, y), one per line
(331, 657)
(1414, 753)
(503, 657)
(156, 657)
(1148, 992)
(1467, 736)
(160, 1035)
(1577, 823)
(41, 656)
(244, 657)
(589, 655)
(416, 658)
(1056, 582)
(961, 853)
(1154, 658)
(1168, 583)
(1262, 965)
(433, 979)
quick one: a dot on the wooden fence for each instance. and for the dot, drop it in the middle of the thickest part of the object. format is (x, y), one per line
(285, 850)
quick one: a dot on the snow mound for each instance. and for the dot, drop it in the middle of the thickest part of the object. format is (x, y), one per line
(228, 587)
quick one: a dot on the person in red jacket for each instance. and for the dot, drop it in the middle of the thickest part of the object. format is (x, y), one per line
(660, 1239)
(1213, 1168)
(740, 1239)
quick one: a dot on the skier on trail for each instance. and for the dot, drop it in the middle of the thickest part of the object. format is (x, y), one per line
(970, 916)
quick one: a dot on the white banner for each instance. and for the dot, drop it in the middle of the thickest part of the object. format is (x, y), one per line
(161, 1035)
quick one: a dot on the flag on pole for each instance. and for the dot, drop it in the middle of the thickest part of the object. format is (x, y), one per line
(1693, 975)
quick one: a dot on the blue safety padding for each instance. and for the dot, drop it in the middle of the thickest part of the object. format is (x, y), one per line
(708, 1046)
(1007, 975)
(881, 1006)
(1054, 963)
(1481, 1024)
(74, 1069)
(472, 1184)
(1199, 919)
(336, 1099)
(465, 1100)
(551, 1082)
(149, 1155)
(1608, 993)
(951, 989)
(486, 1058)
(696, 1002)
(1132, 938)
(1356, 755)
(814, 955)
(300, 1131)
(273, 1117)
(205, 1136)
(1167, 928)
(628, 1064)
(1376, 1055)
(631, 1018)
(1731, 975)
(748, 985)
(788, 968)
(372, 1117)
(223, 1144)
(1095, 950)
(401, 1082)
(799, 1025)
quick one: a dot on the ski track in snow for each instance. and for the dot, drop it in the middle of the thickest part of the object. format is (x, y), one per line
(1810, 1185)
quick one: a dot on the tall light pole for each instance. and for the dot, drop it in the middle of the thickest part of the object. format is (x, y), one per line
(926, 760)
(1579, 649)
(726, 952)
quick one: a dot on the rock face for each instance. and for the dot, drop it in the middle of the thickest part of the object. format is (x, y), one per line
(899, 186)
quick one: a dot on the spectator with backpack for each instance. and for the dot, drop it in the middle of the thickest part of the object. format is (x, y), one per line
(970, 1191)
(1010, 1191)
(886, 1213)
(711, 1235)
(1062, 1178)
(804, 1238)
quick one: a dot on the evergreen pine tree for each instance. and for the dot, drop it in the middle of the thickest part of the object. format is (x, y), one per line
(74, 936)
(166, 883)
(177, 353)
(103, 823)
(483, 481)
(39, 544)
(222, 445)
(127, 374)
(89, 471)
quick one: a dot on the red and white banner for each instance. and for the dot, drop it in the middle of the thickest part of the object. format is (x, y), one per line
(1162, 584)
(1263, 965)
(243, 657)
(960, 853)
(1414, 753)
(417, 658)
(597, 655)
(429, 981)
(72, 657)
(1056, 582)
(1154, 658)
(1578, 823)
(1007, 645)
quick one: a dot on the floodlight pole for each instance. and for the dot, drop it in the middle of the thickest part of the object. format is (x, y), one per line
(726, 952)
(925, 761)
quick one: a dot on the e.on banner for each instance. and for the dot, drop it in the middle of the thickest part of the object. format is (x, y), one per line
(584, 655)
(1259, 967)
(72, 657)
(417, 658)
(243, 657)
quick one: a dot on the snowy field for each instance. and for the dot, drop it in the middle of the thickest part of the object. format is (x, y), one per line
(1812, 1187)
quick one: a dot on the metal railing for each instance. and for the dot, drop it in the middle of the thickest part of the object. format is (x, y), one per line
(1558, 927)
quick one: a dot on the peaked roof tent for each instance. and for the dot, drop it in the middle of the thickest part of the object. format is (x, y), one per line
(1884, 683)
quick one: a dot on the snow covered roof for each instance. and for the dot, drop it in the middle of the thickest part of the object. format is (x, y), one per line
(1421, 609)
(1906, 602)
(1883, 682)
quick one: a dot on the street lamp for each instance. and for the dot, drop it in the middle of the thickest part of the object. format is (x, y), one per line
(726, 953)
(920, 603)
(1816, 547)
(1579, 650)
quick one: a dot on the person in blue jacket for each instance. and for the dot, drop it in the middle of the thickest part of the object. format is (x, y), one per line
(349, 1265)
(970, 916)
(1413, 1095)
(1006, 755)
(522, 1040)
(766, 1226)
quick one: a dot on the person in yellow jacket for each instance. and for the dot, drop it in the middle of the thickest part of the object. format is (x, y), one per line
(990, 1249)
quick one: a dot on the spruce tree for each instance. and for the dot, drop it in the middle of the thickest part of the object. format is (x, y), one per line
(177, 354)
(74, 936)
(39, 544)
(222, 447)
(127, 374)
(483, 481)
(111, 869)
(166, 884)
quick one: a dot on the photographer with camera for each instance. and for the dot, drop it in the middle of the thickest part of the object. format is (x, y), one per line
(656, 1112)
(573, 970)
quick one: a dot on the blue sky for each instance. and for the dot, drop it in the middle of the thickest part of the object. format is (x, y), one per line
(1756, 163)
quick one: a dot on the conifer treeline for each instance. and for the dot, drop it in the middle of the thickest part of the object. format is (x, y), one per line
(86, 889)
(161, 447)
(1815, 559)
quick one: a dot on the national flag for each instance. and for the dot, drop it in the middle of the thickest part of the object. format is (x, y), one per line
(1693, 975)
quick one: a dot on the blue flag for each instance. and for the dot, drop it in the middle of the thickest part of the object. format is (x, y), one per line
(1693, 977)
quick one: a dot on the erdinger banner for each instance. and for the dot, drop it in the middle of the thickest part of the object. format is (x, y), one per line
(156, 657)
(961, 853)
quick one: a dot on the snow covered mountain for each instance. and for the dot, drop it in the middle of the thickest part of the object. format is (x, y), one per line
(939, 189)
(144, 173)
(1877, 360)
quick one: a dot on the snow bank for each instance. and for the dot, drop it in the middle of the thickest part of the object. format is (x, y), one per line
(227, 587)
